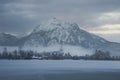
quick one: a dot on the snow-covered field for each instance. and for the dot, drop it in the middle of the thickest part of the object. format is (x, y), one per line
(59, 70)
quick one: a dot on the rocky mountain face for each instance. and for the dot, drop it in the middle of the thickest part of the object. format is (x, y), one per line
(56, 32)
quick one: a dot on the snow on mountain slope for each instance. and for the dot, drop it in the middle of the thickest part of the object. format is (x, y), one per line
(53, 24)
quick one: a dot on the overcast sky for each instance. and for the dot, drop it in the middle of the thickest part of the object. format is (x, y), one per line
(101, 17)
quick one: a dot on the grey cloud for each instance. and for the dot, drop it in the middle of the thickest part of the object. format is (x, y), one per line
(20, 16)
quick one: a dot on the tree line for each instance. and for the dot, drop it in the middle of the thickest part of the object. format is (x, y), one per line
(16, 54)
(55, 55)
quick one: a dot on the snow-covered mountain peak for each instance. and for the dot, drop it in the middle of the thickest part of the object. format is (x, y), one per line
(54, 24)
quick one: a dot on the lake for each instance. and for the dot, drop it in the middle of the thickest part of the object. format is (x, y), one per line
(59, 70)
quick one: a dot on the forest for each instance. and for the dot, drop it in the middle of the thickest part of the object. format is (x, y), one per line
(55, 55)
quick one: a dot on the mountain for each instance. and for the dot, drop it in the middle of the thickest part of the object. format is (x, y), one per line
(54, 33)
(7, 39)
(57, 32)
